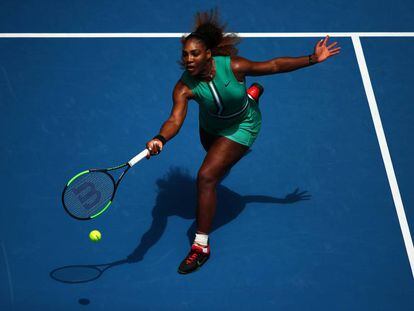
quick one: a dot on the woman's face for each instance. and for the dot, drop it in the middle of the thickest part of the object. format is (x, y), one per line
(195, 56)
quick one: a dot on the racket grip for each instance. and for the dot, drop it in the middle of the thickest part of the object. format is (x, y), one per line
(138, 157)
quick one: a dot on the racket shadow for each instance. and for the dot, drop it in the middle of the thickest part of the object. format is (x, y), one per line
(177, 196)
(75, 274)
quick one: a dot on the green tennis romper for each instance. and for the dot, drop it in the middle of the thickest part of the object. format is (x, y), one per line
(224, 107)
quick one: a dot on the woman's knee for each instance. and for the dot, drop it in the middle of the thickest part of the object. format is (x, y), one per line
(207, 177)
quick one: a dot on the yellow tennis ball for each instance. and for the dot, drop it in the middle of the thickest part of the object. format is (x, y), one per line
(95, 235)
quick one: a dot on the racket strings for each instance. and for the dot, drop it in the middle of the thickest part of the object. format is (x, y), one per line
(88, 194)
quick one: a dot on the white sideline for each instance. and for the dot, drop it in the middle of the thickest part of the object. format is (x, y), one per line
(6, 262)
(386, 157)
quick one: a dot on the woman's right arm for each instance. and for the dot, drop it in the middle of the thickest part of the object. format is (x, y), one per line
(172, 125)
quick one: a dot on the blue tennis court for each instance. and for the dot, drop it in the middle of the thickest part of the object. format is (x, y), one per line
(88, 84)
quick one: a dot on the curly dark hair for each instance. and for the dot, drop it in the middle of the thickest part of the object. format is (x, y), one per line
(209, 30)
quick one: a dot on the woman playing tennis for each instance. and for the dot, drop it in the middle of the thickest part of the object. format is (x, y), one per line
(229, 116)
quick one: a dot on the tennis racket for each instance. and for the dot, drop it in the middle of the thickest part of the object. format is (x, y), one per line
(90, 193)
(82, 273)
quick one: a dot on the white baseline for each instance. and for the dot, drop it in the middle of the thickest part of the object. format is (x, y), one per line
(178, 35)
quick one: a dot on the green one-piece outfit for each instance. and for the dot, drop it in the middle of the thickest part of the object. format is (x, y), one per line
(224, 107)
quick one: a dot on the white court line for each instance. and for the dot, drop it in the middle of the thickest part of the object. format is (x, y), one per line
(386, 157)
(365, 77)
(178, 35)
(8, 273)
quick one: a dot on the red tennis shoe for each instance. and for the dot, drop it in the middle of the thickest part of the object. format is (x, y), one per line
(197, 256)
(255, 91)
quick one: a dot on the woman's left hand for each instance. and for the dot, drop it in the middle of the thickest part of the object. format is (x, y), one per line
(322, 52)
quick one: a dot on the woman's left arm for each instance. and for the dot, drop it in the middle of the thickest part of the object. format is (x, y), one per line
(244, 67)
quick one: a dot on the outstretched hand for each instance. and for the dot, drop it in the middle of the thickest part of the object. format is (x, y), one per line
(322, 52)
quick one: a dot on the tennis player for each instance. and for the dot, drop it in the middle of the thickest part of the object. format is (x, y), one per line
(229, 115)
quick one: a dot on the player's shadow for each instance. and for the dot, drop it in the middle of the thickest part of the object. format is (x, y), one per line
(177, 196)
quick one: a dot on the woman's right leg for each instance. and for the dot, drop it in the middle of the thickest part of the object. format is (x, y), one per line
(207, 139)
(222, 154)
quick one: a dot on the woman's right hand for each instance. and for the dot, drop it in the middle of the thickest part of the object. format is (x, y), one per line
(154, 146)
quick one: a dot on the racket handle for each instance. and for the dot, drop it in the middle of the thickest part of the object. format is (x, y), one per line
(138, 157)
